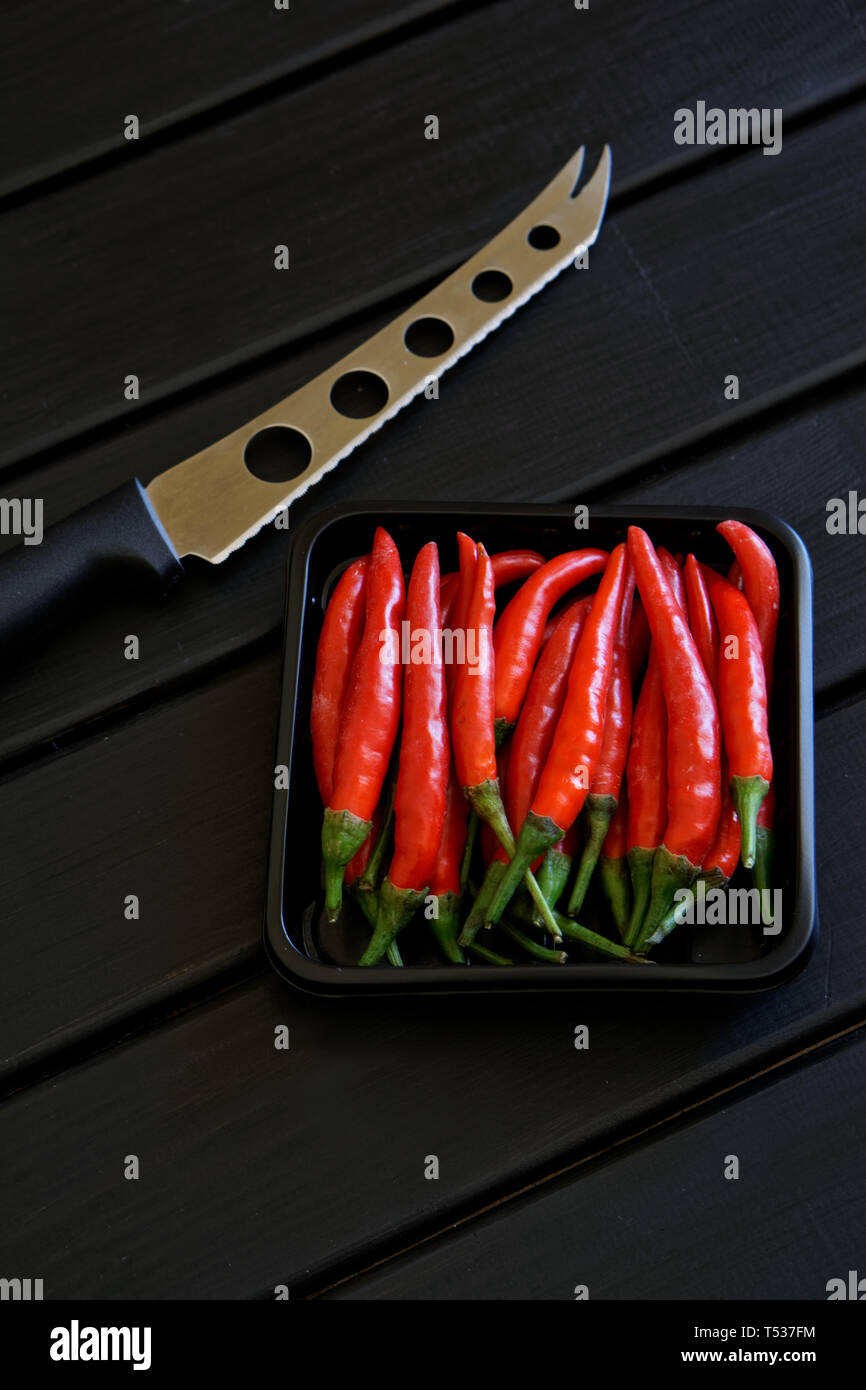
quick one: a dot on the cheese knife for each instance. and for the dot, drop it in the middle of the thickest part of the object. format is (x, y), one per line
(211, 503)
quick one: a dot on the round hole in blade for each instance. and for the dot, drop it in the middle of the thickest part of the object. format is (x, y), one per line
(543, 237)
(491, 285)
(429, 337)
(277, 453)
(358, 395)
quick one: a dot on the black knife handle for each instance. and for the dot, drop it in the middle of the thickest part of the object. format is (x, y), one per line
(37, 582)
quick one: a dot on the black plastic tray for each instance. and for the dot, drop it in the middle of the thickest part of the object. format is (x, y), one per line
(318, 957)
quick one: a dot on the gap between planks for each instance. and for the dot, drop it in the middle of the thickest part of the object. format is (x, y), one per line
(686, 1114)
(258, 90)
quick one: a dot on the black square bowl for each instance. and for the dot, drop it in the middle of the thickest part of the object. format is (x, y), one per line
(319, 957)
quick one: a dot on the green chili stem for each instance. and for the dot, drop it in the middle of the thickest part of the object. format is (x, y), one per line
(487, 802)
(369, 879)
(446, 925)
(483, 897)
(592, 939)
(670, 872)
(342, 836)
(553, 875)
(533, 948)
(492, 957)
(537, 836)
(748, 793)
(598, 811)
(762, 869)
(640, 863)
(369, 905)
(616, 884)
(395, 908)
(466, 862)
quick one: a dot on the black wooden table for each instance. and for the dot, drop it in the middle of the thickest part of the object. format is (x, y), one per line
(154, 258)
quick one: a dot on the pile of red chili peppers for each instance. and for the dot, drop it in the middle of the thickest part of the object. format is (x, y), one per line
(623, 730)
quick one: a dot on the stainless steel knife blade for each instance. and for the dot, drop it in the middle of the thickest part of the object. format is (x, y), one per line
(211, 503)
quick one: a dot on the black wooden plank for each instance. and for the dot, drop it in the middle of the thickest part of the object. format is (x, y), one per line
(164, 266)
(592, 373)
(314, 1155)
(166, 63)
(159, 809)
(663, 1222)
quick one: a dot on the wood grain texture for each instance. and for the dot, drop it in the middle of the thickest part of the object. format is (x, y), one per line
(261, 1167)
(173, 807)
(606, 365)
(663, 1222)
(168, 63)
(164, 267)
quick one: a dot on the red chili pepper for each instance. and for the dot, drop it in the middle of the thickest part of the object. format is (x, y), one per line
(446, 871)
(760, 579)
(761, 584)
(422, 775)
(472, 709)
(448, 589)
(721, 858)
(694, 740)
(531, 740)
(371, 714)
(702, 619)
(617, 725)
(603, 794)
(646, 774)
(341, 633)
(647, 771)
(456, 589)
(577, 740)
(473, 737)
(722, 855)
(533, 736)
(520, 630)
(674, 575)
(468, 558)
(646, 768)
(613, 865)
(445, 883)
(743, 706)
(466, 549)
(509, 566)
(475, 743)
(639, 639)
